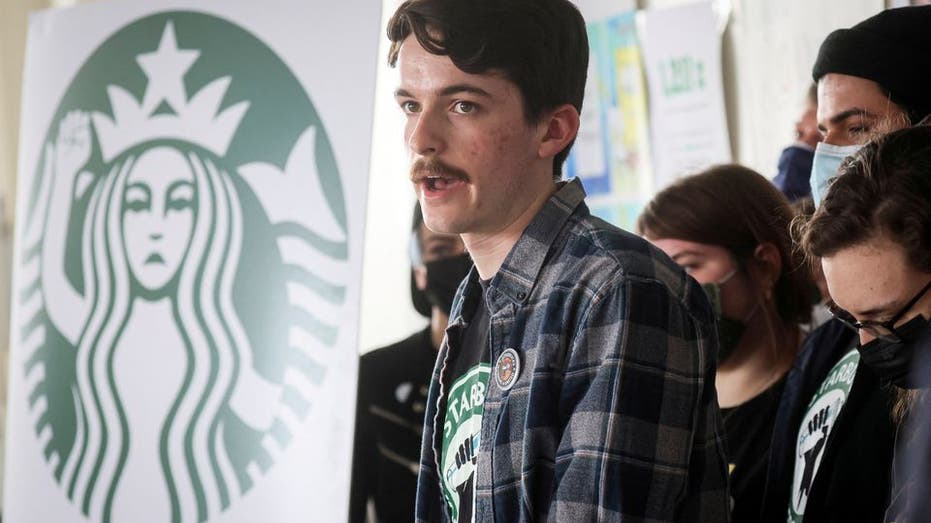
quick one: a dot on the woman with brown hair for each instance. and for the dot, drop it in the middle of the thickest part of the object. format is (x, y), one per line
(729, 228)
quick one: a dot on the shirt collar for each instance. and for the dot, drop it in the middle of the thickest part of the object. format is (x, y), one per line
(517, 275)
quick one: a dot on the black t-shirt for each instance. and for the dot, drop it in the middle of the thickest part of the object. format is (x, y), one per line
(393, 387)
(749, 431)
(466, 383)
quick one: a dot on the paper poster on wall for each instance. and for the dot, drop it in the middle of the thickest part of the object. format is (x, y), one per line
(186, 277)
(682, 51)
(612, 152)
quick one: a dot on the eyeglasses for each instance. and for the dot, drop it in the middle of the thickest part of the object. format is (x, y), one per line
(884, 330)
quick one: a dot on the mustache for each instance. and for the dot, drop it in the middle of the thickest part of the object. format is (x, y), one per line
(423, 168)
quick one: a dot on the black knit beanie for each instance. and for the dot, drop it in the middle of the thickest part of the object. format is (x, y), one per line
(892, 49)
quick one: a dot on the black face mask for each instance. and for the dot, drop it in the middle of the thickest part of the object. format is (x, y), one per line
(443, 279)
(729, 330)
(892, 362)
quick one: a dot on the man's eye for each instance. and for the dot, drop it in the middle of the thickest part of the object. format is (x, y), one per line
(410, 107)
(464, 107)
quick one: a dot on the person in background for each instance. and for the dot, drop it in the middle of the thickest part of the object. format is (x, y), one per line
(575, 381)
(393, 383)
(728, 227)
(795, 161)
(872, 79)
(873, 235)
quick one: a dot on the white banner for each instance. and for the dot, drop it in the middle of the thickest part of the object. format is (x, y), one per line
(682, 52)
(192, 189)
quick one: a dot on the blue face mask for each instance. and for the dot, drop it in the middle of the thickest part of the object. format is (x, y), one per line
(825, 165)
(795, 171)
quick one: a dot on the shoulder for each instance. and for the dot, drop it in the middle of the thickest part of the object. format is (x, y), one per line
(610, 259)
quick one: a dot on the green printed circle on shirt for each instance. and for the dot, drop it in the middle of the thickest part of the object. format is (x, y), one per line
(462, 429)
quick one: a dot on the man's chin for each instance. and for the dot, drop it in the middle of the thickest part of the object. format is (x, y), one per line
(444, 225)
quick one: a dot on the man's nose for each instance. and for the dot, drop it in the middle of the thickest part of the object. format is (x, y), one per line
(426, 133)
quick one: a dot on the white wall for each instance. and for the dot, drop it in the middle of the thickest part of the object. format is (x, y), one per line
(387, 313)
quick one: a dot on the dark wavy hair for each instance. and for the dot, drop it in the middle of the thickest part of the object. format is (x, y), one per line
(734, 207)
(539, 45)
(885, 188)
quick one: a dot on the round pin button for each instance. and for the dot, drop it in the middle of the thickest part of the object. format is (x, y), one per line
(507, 368)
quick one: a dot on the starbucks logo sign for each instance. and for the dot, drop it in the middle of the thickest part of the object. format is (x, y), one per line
(183, 264)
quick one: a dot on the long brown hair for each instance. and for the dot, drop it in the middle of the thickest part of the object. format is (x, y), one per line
(734, 207)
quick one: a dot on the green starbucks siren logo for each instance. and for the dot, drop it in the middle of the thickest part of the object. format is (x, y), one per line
(184, 261)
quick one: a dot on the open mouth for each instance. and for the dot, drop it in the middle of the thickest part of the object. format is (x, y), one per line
(155, 258)
(436, 178)
(440, 183)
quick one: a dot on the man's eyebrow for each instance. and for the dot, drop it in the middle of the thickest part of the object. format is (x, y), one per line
(448, 91)
(464, 88)
(844, 115)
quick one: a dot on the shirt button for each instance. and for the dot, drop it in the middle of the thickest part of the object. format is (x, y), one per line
(521, 295)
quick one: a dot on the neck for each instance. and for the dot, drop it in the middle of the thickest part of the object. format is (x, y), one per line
(438, 322)
(764, 354)
(488, 250)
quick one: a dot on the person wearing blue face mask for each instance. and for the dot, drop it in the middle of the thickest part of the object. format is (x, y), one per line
(393, 384)
(728, 227)
(873, 235)
(794, 168)
(872, 79)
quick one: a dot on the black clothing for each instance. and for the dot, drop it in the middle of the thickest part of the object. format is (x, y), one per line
(474, 351)
(853, 480)
(393, 386)
(474, 344)
(911, 493)
(749, 430)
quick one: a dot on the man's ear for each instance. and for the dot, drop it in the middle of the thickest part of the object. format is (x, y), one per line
(559, 127)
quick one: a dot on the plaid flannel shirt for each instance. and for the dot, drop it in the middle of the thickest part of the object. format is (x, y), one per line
(614, 415)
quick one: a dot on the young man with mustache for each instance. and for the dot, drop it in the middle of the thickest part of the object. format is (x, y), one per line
(576, 378)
